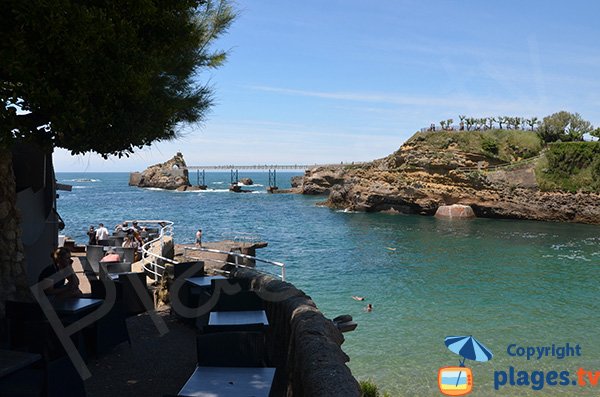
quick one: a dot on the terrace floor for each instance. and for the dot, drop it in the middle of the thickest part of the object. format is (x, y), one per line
(153, 365)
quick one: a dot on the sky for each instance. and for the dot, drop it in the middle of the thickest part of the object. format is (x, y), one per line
(326, 81)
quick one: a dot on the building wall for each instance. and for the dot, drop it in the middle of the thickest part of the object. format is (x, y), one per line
(36, 201)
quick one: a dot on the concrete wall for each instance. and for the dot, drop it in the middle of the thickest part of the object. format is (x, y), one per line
(304, 344)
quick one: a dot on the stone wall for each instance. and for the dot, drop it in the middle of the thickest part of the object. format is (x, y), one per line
(13, 278)
(305, 345)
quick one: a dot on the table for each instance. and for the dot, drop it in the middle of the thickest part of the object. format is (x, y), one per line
(71, 306)
(229, 382)
(12, 361)
(204, 281)
(238, 318)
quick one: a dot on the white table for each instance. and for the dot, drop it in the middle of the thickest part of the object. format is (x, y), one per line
(204, 281)
(229, 382)
(238, 318)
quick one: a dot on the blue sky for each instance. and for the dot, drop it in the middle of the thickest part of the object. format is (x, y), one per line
(324, 81)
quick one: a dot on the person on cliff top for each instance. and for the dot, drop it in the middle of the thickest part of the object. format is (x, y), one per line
(199, 238)
(59, 279)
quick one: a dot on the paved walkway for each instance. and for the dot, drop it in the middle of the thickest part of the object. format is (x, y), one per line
(153, 365)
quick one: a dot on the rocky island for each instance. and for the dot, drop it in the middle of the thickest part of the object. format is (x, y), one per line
(498, 173)
(170, 175)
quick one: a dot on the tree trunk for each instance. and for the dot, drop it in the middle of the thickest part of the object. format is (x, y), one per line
(13, 279)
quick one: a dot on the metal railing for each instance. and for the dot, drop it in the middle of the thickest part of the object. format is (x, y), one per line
(152, 261)
(237, 257)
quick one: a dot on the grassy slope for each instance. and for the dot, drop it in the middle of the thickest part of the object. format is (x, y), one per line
(570, 166)
(565, 166)
(504, 145)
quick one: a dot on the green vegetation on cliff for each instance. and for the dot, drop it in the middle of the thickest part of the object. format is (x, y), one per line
(504, 145)
(570, 166)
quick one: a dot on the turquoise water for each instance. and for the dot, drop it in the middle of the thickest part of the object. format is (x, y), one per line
(504, 282)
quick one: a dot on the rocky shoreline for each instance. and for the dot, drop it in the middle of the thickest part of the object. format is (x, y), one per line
(414, 180)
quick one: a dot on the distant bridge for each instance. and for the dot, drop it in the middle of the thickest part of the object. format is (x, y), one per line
(251, 167)
(265, 166)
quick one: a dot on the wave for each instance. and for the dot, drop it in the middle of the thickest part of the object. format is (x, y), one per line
(84, 180)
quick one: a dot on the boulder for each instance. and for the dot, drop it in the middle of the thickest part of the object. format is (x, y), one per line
(170, 175)
(296, 181)
(246, 181)
(455, 211)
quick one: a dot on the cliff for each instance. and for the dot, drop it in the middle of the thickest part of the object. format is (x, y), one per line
(169, 175)
(430, 170)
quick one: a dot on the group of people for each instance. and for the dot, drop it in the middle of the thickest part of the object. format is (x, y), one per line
(132, 237)
(132, 234)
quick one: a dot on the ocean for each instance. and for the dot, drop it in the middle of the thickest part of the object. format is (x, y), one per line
(510, 284)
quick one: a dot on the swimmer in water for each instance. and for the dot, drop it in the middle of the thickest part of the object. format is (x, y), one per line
(358, 298)
(369, 308)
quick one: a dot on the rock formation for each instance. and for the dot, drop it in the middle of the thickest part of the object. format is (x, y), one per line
(247, 181)
(170, 175)
(418, 180)
(455, 211)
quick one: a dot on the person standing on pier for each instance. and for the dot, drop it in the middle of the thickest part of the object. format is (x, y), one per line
(199, 238)
(91, 235)
(101, 233)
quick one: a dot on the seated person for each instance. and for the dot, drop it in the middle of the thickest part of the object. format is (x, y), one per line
(61, 287)
(111, 257)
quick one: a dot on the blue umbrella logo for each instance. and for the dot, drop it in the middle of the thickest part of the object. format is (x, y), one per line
(468, 348)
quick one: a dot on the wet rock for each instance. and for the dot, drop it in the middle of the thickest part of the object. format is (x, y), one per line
(455, 211)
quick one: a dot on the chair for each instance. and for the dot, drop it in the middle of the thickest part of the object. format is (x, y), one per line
(180, 268)
(50, 378)
(118, 267)
(116, 241)
(127, 253)
(188, 295)
(108, 331)
(30, 331)
(231, 349)
(240, 301)
(87, 269)
(133, 303)
(93, 254)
